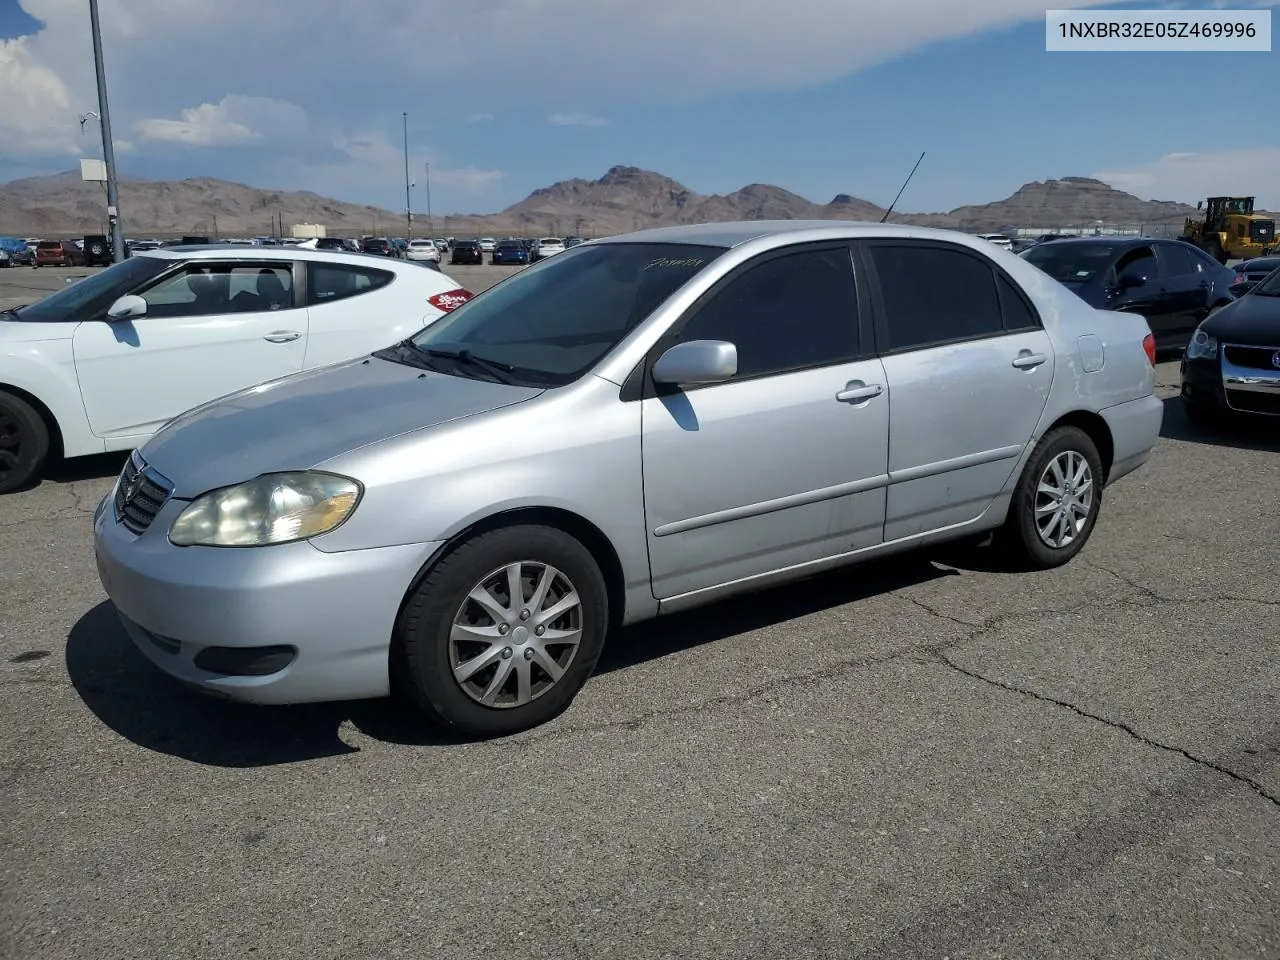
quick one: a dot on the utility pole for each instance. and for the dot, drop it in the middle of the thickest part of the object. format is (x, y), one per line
(431, 229)
(408, 204)
(108, 149)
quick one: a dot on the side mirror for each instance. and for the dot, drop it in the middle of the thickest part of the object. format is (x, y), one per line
(128, 307)
(1239, 289)
(698, 361)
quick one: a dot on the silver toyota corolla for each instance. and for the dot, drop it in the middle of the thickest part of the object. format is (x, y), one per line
(633, 427)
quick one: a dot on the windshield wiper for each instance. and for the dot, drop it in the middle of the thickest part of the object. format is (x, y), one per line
(405, 352)
(9, 312)
(497, 370)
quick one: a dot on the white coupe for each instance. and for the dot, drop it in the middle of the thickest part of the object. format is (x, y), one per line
(105, 362)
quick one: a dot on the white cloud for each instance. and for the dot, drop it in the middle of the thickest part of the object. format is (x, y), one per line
(36, 116)
(233, 120)
(1189, 176)
(480, 118)
(577, 120)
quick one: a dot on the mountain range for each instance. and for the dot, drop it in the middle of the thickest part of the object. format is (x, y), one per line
(624, 199)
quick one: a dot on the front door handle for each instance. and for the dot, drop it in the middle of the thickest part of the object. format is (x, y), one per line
(1029, 361)
(856, 391)
(282, 336)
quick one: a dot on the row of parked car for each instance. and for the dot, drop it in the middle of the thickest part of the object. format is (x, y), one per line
(512, 251)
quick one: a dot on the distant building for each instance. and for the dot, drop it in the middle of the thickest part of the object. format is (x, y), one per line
(308, 231)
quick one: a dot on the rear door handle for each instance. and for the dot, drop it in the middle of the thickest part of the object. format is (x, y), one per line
(282, 336)
(1029, 361)
(856, 391)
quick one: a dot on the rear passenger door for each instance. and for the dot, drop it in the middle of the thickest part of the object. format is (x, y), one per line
(968, 366)
(1187, 289)
(342, 324)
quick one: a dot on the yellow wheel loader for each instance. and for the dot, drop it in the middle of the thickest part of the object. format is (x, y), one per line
(1230, 229)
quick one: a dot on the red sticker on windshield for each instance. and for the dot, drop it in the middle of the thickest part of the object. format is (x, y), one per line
(450, 300)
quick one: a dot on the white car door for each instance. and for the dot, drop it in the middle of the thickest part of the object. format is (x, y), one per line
(212, 328)
(785, 463)
(969, 368)
(354, 310)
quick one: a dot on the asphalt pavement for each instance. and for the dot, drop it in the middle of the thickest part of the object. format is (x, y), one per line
(930, 758)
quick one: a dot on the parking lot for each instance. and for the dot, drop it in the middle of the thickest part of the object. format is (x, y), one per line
(930, 758)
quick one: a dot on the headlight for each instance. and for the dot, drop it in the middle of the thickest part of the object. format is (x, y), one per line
(1202, 346)
(274, 508)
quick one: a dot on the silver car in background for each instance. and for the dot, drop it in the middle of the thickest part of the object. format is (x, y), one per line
(631, 428)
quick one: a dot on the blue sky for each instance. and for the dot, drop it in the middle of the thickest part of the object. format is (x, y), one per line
(818, 96)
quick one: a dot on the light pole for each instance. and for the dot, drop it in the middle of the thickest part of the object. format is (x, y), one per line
(431, 229)
(408, 204)
(108, 150)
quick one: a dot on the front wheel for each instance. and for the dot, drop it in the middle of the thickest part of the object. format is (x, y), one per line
(24, 442)
(503, 632)
(1055, 504)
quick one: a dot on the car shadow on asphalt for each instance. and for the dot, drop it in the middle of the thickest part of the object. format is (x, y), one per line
(1239, 432)
(97, 467)
(149, 708)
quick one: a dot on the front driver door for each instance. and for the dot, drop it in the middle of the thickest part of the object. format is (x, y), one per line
(210, 329)
(771, 468)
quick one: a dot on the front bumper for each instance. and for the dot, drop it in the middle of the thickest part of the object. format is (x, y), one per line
(336, 610)
(1219, 384)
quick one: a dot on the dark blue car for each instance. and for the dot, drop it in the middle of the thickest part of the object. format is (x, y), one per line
(1172, 284)
(509, 252)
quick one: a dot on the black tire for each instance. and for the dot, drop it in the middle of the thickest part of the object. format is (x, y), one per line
(24, 443)
(423, 659)
(1019, 537)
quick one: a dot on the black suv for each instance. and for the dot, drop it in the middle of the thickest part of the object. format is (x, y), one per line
(97, 251)
(467, 251)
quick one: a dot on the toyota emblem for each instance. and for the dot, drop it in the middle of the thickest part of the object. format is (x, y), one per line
(1275, 359)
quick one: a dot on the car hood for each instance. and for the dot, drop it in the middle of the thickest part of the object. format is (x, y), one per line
(1252, 321)
(299, 421)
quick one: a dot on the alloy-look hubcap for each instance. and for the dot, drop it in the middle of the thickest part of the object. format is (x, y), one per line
(1064, 499)
(515, 634)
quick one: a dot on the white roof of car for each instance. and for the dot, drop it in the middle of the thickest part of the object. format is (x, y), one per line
(228, 251)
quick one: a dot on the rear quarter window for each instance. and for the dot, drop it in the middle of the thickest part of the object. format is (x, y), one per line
(330, 282)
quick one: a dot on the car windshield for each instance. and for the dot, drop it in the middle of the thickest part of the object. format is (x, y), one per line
(1071, 262)
(1269, 286)
(554, 322)
(49, 245)
(90, 297)
(549, 241)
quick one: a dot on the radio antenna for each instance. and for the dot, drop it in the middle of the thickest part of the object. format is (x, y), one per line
(904, 186)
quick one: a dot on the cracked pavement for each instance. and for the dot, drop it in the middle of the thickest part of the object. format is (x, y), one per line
(927, 758)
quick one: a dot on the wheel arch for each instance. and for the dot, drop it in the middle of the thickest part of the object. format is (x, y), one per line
(575, 525)
(1096, 428)
(56, 445)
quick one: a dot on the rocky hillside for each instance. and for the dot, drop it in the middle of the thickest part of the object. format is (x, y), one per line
(63, 203)
(624, 199)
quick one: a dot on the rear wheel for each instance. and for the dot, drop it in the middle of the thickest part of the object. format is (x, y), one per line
(1055, 504)
(24, 442)
(503, 632)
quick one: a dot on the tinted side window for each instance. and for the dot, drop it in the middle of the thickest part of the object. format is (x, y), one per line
(200, 290)
(1177, 259)
(935, 295)
(1138, 263)
(337, 281)
(796, 310)
(1017, 315)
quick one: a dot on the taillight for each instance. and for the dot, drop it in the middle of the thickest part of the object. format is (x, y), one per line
(1240, 278)
(450, 300)
(1149, 345)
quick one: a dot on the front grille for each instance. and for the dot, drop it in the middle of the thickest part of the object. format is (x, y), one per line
(1255, 358)
(1262, 231)
(1251, 401)
(140, 493)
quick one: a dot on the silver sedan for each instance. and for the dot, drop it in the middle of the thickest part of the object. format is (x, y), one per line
(633, 427)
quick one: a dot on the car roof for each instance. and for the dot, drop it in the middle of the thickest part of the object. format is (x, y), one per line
(227, 251)
(1110, 241)
(735, 233)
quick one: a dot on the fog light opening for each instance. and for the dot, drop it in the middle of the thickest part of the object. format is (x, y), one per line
(244, 661)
